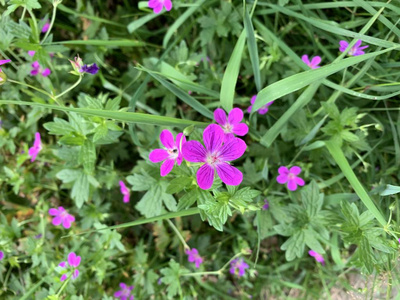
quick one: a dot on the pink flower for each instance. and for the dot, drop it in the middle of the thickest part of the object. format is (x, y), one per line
(263, 110)
(193, 256)
(318, 257)
(1, 255)
(61, 216)
(73, 261)
(238, 265)
(31, 53)
(231, 125)
(355, 51)
(36, 148)
(124, 191)
(37, 69)
(4, 61)
(215, 157)
(171, 154)
(125, 292)
(157, 5)
(45, 27)
(290, 177)
(313, 64)
(266, 205)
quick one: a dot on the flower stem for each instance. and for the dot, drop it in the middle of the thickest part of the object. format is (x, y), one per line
(35, 28)
(63, 286)
(32, 87)
(178, 234)
(69, 89)
(53, 17)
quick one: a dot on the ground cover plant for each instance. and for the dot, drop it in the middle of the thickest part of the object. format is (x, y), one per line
(172, 149)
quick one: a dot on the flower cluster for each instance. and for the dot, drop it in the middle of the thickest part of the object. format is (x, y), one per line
(36, 148)
(79, 67)
(73, 262)
(124, 191)
(238, 266)
(37, 69)
(61, 216)
(125, 292)
(193, 256)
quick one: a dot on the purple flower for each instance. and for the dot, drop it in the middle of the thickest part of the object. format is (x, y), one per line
(73, 261)
(215, 157)
(313, 64)
(157, 5)
(1, 255)
(125, 292)
(37, 69)
(238, 264)
(124, 191)
(93, 69)
(266, 204)
(193, 256)
(263, 110)
(36, 148)
(318, 257)
(355, 51)
(31, 53)
(290, 177)
(61, 216)
(4, 61)
(172, 152)
(231, 125)
(46, 27)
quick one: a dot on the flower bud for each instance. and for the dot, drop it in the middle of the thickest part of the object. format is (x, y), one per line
(3, 78)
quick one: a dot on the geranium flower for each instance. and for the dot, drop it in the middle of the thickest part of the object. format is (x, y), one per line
(313, 64)
(125, 292)
(355, 50)
(73, 261)
(4, 61)
(92, 69)
(290, 177)
(46, 27)
(36, 148)
(37, 69)
(193, 256)
(231, 125)
(157, 5)
(31, 53)
(171, 154)
(318, 257)
(61, 216)
(215, 156)
(263, 110)
(266, 205)
(1, 255)
(124, 191)
(238, 265)
(79, 67)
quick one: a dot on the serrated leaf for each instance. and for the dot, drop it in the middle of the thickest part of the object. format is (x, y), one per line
(171, 278)
(100, 132)
(59, 127)
(390, 190)
(68, 175)
(88, 156)
(187, 200)
(310, 237)
(169, 201)
(294, 246)
(366, 255)
(72, 140)
(80, 190)
(178, 184)
(151, 203)
(140, 182)
(311, 199)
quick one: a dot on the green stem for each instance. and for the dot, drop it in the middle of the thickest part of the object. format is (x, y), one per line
(178, 234)
(70, 88)
(53, 17)
(63, 286)
(35, 29)
(32, 87)
(23, 14)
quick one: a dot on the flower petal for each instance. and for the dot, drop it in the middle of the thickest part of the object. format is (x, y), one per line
(66, 224)
(205, 176)
(240, 129)
(315, 61)
(193, 151)
(180, 140)
(122, 285)
(63, 277)
(232, 149)
(158, 155)
(167, 139)
(53, 212)
(220, 116)
(126, 198)
(283, 170)
(46, 72)
(292, 185)
(305, 59)
(75, 274)
(343, 46)
(253, 99)
(300, 181)
(57, 221)
(166, 167)
(168, 5)
(228, 174)
(295, 170)
(249, 109)
(213, 136)
(117, 294)
(357, 44)
(71, 259)
(282, 179)
(235, 116)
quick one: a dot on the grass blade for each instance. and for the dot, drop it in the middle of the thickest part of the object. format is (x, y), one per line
(121, 116)
(231, 74)
(111, 43)
(141, 21)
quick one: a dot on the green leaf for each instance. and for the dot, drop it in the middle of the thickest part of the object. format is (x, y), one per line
(171, 278)
(294, 246)
(87, 156)
(310, 238)
(178, 184)
(80, 190)
(187, 200)
(100, 132)
(72, 140)
(68, 175)
(169, 201)
(59, 127)
(252, 46)
(229, 80)
(151, 203)
(311, 199)
(366, 255)
(141, 182)
(390, 190)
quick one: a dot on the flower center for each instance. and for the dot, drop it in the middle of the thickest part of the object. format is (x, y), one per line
(352, 51)
(291, 176)
(173, 153)
(126, 292)
(212, 159)
(227, 128)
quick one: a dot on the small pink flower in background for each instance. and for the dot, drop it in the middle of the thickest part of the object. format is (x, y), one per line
(31, 53)
(231, 125)
(215, 157)
(263, 110)
(318, 257)
(73, 261)
(238, 265)
(37, 69)
(290, 177)
(193, 256)
(266, 205)
(61, 216)
(125, 292)
(46, 27)
(124, 191)
(313, 64)
(171, 154)
(1, 255)
(36, 148)
(157, 5)
(355, 51)
(4, 61)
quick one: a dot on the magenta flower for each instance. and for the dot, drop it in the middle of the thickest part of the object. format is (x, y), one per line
(46, 27)
(36, 148)
(238, 265)
(231, 125)
(263, 110)
(318, 257)
(172, 152)
(157, 5)
(124, 191)
(313, 64)
(73, 261)
(1, 255)
(4, 61)
(125, 292)
(31, 53)
(193, 256)
(215, 156)
(355, 51)
(92, 69)
(266, 205)
(37, 69)
(290, 177)
(61, 216)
